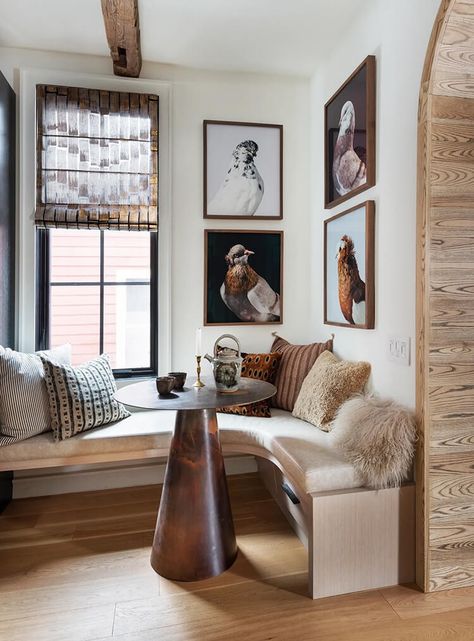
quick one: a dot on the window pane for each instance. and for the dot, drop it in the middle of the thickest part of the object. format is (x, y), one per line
(127, 325)
(75, 319)
(75, 256)
(127, 256)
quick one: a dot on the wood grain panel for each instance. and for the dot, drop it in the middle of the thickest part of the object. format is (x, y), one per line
(451, 173)
(456, 84)
(457, 436)
(443, 130)
(451, 486)
(454, 110)
(448, 311)
(463, 508)
(449, 373)
(445, 302)
(459, 59)
(448, 343)
(447, 403)
(463, 9)
(452, 541)
(445, 576)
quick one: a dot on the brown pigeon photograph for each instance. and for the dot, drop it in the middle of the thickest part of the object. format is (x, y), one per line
(350, 136)
(243, 282)
(349, 267)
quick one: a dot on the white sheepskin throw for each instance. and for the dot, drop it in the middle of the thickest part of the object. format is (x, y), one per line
(378, 437)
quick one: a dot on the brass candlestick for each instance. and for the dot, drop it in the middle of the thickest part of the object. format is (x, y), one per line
(198, 382)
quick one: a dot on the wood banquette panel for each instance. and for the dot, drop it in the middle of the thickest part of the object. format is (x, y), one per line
(445, 303)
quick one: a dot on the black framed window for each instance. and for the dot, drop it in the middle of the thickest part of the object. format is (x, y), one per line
(97, 289)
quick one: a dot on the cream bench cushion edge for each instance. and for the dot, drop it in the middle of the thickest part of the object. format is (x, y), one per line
(307, 455)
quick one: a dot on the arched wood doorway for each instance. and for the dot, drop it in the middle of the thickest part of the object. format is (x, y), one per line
(445, 304)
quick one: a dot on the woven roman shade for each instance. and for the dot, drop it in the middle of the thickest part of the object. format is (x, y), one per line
(97, 159)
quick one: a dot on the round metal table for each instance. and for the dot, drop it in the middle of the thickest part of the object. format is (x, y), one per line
(194, 535)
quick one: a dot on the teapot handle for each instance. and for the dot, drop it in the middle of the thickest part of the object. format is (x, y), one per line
(236, 340)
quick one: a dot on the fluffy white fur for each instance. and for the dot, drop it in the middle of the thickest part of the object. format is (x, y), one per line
(378, 437)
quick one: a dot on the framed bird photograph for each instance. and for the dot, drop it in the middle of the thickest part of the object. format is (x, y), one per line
(349, 243)
(243, 277)
(349, 132)
(243, 170)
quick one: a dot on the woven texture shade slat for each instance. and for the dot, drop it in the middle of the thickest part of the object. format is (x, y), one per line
(97, 159)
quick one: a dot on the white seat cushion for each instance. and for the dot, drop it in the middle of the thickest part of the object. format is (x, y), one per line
(307, 454)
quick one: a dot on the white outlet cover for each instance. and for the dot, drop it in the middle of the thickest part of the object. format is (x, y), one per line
(399, 350)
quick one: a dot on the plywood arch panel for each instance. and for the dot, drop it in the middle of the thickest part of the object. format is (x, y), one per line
(445, 303)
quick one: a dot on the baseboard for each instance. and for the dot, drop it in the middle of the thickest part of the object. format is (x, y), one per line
(87, 478)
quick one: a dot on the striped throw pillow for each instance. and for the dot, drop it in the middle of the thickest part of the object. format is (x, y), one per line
(296, 362)
(24, 404)
(81, 398)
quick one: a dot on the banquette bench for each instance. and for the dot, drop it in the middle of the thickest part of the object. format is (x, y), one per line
(357, 538)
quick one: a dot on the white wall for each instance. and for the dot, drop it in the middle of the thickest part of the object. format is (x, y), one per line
(197, 96)
(397, 33)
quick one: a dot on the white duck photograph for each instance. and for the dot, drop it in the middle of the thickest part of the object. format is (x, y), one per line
(349, 267)
(242, 170)
(350, 137)
(243, 282)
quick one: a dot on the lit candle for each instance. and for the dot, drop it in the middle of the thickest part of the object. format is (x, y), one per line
(198, 341)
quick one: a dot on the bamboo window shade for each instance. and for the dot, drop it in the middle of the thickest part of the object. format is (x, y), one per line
(97, 159)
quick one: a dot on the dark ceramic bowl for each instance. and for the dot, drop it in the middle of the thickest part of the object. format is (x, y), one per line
(164, 384)
(180, 378)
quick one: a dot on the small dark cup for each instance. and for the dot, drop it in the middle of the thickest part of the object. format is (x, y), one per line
(164, 384)
(180, 378)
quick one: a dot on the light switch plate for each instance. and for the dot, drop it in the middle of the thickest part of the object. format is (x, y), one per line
(399, 350)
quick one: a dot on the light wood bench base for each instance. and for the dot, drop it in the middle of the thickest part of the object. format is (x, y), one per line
(358, 539)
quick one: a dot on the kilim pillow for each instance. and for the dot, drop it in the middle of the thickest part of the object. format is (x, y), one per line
(24, 404)
(296, 361)
(81, 398)
(262, 367)
(329, 383)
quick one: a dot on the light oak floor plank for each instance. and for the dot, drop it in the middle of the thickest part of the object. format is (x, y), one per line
(76, 568)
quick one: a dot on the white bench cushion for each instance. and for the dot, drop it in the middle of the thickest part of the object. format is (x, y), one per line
(307, 454)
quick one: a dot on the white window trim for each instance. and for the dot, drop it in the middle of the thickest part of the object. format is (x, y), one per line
(26, 276)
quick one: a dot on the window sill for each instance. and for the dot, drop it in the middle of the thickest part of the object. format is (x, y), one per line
(123, 381)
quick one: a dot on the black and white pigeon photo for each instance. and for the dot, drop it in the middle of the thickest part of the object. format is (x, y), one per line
(247, 294)
(242, 190)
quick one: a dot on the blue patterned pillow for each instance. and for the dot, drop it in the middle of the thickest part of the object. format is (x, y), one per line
(81, 398)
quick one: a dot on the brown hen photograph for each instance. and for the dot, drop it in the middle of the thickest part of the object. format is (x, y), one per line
(349, 128)
(349, 267)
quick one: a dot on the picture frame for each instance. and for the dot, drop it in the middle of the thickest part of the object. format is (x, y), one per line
(349, 282)
(349, 136)
(242, 170)
(254, 297)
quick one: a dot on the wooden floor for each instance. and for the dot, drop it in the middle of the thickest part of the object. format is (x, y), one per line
(76, 568)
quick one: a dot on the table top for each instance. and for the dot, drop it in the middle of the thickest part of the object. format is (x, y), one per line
(143, 395)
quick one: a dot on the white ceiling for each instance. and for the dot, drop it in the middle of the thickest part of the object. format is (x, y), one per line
(282, 36)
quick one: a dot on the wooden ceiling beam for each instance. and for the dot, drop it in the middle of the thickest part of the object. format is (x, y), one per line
(123, 36)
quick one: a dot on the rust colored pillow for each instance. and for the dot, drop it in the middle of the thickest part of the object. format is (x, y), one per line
(262, 367)
(296, 362)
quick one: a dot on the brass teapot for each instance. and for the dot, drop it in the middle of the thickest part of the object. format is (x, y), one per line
(227, 363)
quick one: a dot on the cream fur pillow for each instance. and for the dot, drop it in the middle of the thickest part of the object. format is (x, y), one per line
(378, 437)
(329, 383)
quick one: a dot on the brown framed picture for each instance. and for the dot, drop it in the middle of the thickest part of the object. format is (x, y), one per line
(349, 136)
(243, 282)
(349, 245)
(243, 170)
